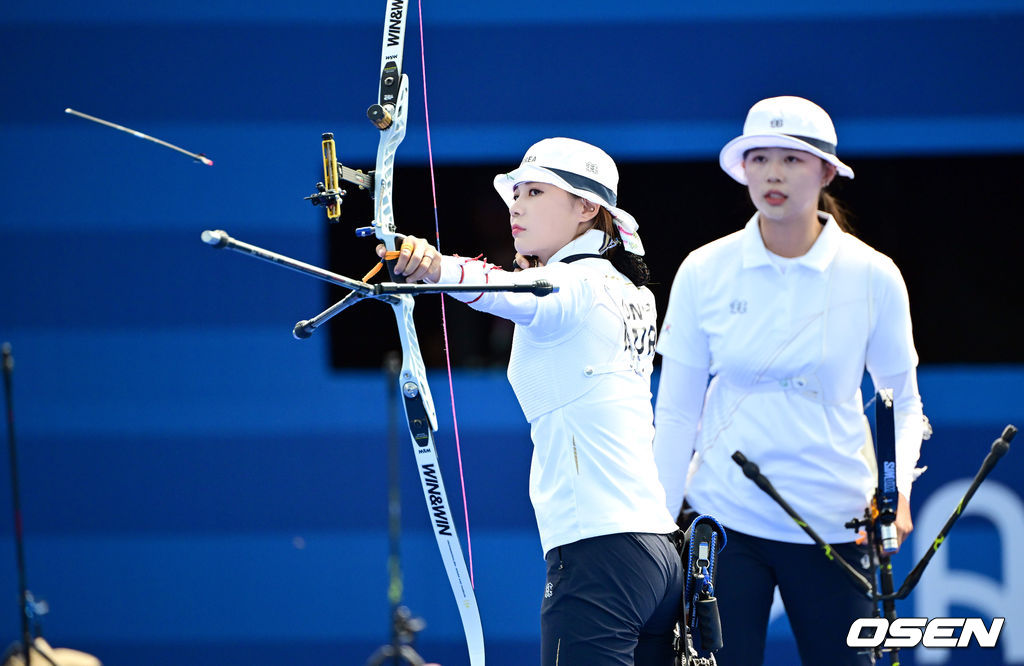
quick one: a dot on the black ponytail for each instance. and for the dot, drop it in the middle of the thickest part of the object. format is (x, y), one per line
(629, 264)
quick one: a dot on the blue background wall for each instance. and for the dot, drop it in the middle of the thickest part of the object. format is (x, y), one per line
(200, 488)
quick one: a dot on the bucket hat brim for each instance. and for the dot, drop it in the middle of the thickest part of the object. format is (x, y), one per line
(731, 157)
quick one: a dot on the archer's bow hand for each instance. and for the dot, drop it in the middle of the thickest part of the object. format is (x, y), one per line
(904, 524)
(417, 260)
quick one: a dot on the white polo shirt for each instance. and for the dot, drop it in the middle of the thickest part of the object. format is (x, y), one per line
(786, 343)
(581, 368)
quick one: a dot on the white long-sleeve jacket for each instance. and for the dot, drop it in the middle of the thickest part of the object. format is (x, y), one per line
(581, 366)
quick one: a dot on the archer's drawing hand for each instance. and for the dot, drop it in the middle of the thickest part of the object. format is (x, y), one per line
(524, 261)
(417, 260)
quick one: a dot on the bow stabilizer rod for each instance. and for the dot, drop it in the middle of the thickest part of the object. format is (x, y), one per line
(220, 239)
(999, 448)
(753, 472)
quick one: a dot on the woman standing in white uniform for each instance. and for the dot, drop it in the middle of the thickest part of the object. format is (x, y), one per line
(580, 366)
(784, 316)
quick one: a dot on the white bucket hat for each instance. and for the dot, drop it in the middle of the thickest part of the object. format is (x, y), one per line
(784, 122)
(578, 168)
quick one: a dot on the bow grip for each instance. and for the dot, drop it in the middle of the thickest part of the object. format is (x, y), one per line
(390, 263)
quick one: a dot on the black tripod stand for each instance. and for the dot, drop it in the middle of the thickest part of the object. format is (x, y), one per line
(404, 626)
(880, 530)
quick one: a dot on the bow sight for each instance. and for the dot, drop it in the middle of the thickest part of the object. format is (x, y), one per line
(328, 193)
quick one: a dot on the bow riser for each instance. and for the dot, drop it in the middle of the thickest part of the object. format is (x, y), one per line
(390, 139)
(414, 371)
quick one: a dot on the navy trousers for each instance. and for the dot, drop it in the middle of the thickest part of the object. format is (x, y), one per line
(820, 600)
(611, 601)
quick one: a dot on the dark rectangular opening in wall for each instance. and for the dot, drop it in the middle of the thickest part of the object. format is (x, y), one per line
(949, 222)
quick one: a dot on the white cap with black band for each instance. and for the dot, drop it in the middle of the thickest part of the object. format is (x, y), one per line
(578, 168)
(784, 122)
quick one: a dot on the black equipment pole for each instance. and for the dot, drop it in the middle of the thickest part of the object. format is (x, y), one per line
(403, 625)
(392, 366)
(19, 541)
